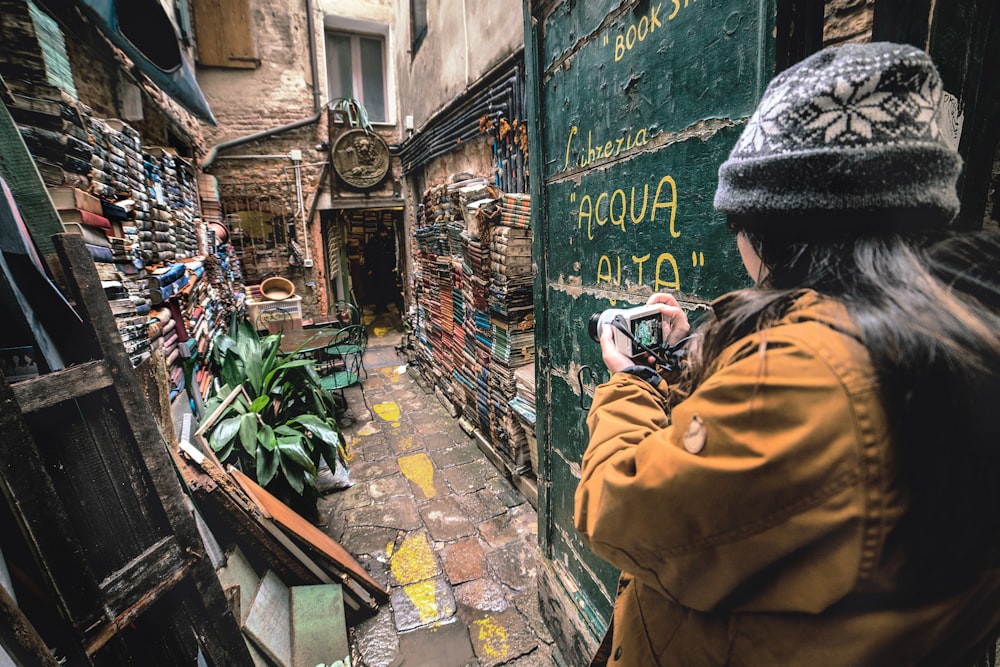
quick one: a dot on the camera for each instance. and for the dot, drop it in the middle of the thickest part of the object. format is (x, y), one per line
(646, 327)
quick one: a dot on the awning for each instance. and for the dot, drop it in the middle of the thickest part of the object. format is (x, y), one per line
(129, 23)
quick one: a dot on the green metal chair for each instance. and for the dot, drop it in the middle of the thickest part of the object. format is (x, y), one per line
(343, 367)
(345, 313)
(351, 340)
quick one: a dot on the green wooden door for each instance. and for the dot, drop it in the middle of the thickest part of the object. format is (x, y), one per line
(637, 104)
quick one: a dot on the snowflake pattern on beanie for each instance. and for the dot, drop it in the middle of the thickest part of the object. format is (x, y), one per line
(859, 106)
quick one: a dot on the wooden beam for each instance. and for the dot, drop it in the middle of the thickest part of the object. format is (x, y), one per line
(52, 388)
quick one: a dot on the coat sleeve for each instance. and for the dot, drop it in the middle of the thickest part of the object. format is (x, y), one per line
(767, 515)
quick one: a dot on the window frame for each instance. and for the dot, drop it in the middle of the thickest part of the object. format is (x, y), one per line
(417, 32)
(357, 29)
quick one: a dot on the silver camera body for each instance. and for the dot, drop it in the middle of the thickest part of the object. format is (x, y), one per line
(645, 323)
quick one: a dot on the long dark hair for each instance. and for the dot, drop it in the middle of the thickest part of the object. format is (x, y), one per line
(927, 305)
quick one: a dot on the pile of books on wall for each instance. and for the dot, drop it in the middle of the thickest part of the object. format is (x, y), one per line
(475, 321)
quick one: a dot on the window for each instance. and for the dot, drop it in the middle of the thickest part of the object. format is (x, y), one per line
(355, 65)
(418, 23)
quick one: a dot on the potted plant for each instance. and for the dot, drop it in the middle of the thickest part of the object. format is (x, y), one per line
(281, 425)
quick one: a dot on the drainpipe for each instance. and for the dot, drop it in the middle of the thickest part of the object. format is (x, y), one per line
(317, 101)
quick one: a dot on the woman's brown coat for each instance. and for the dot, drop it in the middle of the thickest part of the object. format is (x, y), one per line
(756, 525)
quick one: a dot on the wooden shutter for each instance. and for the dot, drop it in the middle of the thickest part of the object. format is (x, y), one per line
(224, 31)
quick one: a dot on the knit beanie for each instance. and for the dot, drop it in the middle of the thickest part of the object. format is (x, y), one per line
(852, 128)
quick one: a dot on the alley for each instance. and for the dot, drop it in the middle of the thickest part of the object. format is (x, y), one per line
(433, 520)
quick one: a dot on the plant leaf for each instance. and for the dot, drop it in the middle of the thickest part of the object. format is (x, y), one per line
(224, 432)
(265, 438)
(295, 452)
(259, 403)
(294, 476)
(320, 428)
(248, 432)
(284, 429)
(267, 465)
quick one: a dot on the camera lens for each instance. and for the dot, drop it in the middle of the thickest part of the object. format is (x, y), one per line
(592, 327)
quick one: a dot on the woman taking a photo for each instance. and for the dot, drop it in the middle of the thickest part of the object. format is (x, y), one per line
(820, 484)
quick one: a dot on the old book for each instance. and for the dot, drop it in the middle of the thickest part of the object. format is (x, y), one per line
(66, 199)
(91, 235)
(84, 218)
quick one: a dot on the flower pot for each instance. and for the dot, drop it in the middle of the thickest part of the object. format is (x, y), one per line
(277, 288)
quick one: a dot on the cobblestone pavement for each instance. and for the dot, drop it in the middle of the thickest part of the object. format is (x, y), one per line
(435, 522)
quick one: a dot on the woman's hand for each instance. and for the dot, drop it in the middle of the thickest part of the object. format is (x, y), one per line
(613, 359)
(677, 322)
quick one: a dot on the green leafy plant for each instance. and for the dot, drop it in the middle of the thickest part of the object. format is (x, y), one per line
(282, 425)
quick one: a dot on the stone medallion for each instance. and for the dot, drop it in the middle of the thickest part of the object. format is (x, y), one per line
(360, 158)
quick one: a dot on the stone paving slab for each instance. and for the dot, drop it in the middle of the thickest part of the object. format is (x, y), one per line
(464, 560)
(423, 603)
(440, 644)
(398, 513)
(445, 519)
(497, 638)
(483, 594)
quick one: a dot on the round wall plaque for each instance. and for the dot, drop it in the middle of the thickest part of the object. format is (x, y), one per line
(361, 159)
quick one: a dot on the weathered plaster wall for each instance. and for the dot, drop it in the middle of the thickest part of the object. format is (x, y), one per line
(465, 39)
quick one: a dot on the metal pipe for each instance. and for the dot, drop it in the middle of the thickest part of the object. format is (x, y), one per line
(317, 101)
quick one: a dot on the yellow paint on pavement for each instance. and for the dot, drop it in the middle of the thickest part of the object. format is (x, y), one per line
(419, 470)
(367, 429)
(423, 595)
(392, 374)
(493, 637)
(413, 566)
(379, 332)
(414, 560)
(388, 412)
(406, 443)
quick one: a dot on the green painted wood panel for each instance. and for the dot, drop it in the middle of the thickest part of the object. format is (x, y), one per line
(637, 104)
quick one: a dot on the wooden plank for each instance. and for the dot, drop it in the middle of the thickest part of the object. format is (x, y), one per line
(225, 34)
(126, 588)
(318, 626)
(52, 388)
(312, 536)
(99, 634)
(223, 502)
(29, 491)
(268, 622)
(238, 573)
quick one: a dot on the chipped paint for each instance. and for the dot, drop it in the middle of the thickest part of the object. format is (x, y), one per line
(419, 470)
(493, 638)
(367, 429)
(406, 443)
(389, 548)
